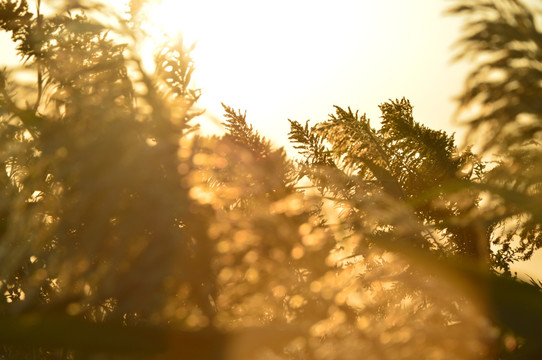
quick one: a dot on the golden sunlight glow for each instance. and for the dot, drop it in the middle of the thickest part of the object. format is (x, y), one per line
(296, 59)
(253, 55)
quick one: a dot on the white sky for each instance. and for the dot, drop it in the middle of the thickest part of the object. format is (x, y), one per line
(296, 61)
(297, 58)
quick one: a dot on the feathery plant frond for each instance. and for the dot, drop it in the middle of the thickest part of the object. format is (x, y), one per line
(309, 143)
(502, 96)
(352, 138)
(420, 142)
(391, 185)
(237, 165)
(89, 165)
(503, 89)
(318, 164)
(244, 134)
(401, 162)
(175, 67)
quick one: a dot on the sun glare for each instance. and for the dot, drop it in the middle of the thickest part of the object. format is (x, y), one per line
(223, 34)
(296, 59)
(193, 19)
(254, 55)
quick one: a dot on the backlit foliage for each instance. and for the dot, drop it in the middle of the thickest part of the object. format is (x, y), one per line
(502, 38)
(125, 233)
(502, 97)
(403, 162)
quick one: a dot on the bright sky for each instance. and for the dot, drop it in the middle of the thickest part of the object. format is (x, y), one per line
(297, 58)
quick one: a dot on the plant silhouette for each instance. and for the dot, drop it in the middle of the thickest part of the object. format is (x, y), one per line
(124, 233)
